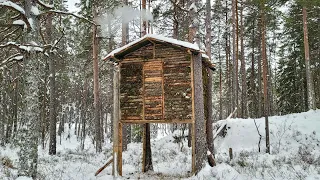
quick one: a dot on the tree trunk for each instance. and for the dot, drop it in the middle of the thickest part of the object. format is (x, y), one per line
(199, 136)
(2, 131)
(8, 119)
(43, 114)
(310, 87)
(175, 21)
(209, 135)
(16, 94)
(235, 52)
(148, 156)
(126, 130)
(252, 78)
(96, 83)
(52, 108)
(259, 89)
(243, 69)
(29, 133)
(265, 75)
(228, 69)
(84, 113)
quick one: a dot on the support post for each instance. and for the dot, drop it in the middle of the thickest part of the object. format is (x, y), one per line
(120, 149)
(199, 119)
(115, 169)
(193, 142)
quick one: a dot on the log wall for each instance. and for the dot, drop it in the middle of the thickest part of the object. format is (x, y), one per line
(155, 85)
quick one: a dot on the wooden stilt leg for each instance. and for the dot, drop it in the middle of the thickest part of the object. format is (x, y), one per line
(120, 150)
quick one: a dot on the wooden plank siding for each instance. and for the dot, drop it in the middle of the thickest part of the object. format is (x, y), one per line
(155, 85)
(131, 92)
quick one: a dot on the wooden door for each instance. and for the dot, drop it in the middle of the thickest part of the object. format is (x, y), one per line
(153, 90)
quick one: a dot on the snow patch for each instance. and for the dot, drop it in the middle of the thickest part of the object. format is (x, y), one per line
(193, 7)
(24, 178)
(19, 22)
(18, 57)
(297, 157)
(35, 10)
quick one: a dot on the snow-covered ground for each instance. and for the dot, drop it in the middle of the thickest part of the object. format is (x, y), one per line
(295, 154)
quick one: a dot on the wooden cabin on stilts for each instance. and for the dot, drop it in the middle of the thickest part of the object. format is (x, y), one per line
(160, 80)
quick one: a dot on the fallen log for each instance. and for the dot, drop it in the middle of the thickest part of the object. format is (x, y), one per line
(104, 166)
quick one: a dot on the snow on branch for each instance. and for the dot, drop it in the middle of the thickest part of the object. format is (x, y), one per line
(12, 5)
(17, 8)
(21, 48)
(35, 11)
(9, 34)
(15, 57)
(27, 47)
(47, 6)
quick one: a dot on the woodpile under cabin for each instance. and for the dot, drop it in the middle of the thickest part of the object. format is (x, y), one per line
(161, 80)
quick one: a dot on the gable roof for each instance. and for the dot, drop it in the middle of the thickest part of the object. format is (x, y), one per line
(134, 45)
(149, 38)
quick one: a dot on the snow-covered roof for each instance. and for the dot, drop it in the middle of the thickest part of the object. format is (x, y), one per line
(154, 37)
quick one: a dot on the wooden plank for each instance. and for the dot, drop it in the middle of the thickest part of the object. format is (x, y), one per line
(192, 89)
(154, 108)
(104, 166)
(159, 114)
(141, 121)
(116, 118)
(153, 98)
(131, 99)
(193, 144)
(144, 103)
(133, 117)
(132, 60)
(144, 148)
(154, 50)
(162, 105)
(120, 149)
(153, 79)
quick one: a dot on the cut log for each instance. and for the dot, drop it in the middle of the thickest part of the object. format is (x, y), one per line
(211, 160)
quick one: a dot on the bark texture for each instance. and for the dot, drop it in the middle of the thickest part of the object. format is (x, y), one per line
(310, 87)
(265, 75)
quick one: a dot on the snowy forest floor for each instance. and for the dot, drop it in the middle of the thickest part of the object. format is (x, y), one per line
(295, 154)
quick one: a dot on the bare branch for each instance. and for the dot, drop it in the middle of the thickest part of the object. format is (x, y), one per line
(26, 47)
(44, 5)
(260, 136)
(54, 45)
(71, 14)
(16, 8)
(9, 34)
(8, 27)
(15, 57)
